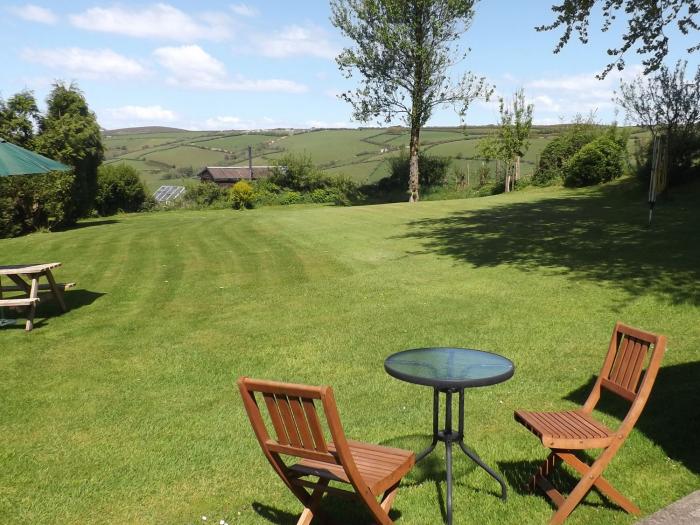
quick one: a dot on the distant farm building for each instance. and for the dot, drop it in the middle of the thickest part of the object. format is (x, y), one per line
(226, 176)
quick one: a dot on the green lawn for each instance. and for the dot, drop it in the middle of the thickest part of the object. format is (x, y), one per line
(124, 409)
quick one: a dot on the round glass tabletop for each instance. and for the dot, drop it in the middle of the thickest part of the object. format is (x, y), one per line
(449, 367)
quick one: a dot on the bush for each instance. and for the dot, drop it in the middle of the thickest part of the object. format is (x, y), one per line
(241, 195)
(31, 202)
(290, 197)
(204, 195)
(298, 172)
(557, 153)
(601, 160)
(119, 188)
(432, 171)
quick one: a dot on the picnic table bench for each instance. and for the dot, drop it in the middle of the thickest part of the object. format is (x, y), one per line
(26, 278)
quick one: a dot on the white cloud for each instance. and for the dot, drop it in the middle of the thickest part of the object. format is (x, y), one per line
(223, 122)
(191, 66)
(34, 13)
(326, 124)
(156, 114)
(88, 63)
(565, 96)
(294, 40)
(244, 10)
(160, 20)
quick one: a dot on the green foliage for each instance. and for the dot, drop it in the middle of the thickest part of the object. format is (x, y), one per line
(558, 152)
(668, 105)
(300, 176)
(299, 173)
(241, 195)
(602, 160)
(646, 26)
(290, 197)
(18, 118)
(204, 195)
(511, 138)
(434, 171)
(119, 188)
(32, 202)
(69, 132)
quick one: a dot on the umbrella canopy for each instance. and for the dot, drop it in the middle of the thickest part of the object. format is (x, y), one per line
(15, 160)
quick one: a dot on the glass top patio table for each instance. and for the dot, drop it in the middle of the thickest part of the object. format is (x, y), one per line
(450, 371)
(445, 368)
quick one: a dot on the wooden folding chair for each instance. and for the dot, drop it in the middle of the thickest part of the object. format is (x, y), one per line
(373, 471)
(565, 432)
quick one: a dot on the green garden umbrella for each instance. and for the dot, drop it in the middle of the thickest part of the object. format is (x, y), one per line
(15, 160)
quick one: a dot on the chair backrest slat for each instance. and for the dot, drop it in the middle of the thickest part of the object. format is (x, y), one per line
(293, 416)
(302, 425)
(630, 349)
(276, 418)
(288, 418)
(314, 424)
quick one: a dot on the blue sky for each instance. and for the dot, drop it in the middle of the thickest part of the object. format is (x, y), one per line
(270, 63)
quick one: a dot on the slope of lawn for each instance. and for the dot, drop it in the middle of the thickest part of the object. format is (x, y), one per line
(124, 409)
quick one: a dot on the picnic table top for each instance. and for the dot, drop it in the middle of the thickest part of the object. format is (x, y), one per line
(23, 269)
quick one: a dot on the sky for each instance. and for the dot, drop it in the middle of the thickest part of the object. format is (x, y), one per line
(259, 64)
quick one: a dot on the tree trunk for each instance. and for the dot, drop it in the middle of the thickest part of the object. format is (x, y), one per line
(508, 170)
(413, 163)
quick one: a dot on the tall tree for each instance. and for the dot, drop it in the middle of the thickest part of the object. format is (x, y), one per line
(18, 118)
(403, 53)
(69, 132)
(646, 24)
(510, 142)
(667, 104)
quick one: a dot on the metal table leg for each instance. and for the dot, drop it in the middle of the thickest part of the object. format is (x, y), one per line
(448, 436)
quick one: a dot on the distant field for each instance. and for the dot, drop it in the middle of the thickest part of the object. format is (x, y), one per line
(361, 154)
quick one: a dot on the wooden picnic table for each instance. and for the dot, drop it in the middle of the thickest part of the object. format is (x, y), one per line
(26, 278)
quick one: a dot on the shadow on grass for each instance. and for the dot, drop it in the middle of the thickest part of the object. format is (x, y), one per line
(87, 224)
(432, 468)
(518, 474)
(334, 511)
(600, 235)
(671, 418)
(48, 308)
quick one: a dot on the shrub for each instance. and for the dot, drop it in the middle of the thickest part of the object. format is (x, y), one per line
(557, 153)
(241, 195)
(345, 190)
(31, 202)
(321, 195)
(291, 197)
(119, 188)
(203, 195)
(432, 171)
(298, 172)
(601, 160)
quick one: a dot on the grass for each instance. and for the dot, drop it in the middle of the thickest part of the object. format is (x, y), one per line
(124, 409)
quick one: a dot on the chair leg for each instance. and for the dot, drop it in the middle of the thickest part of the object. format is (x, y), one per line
(572, 500)
(543, 472)
(389, 497)
(602, 484)
(314, 501)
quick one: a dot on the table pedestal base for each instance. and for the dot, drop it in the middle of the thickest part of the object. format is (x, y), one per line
(449, 436)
